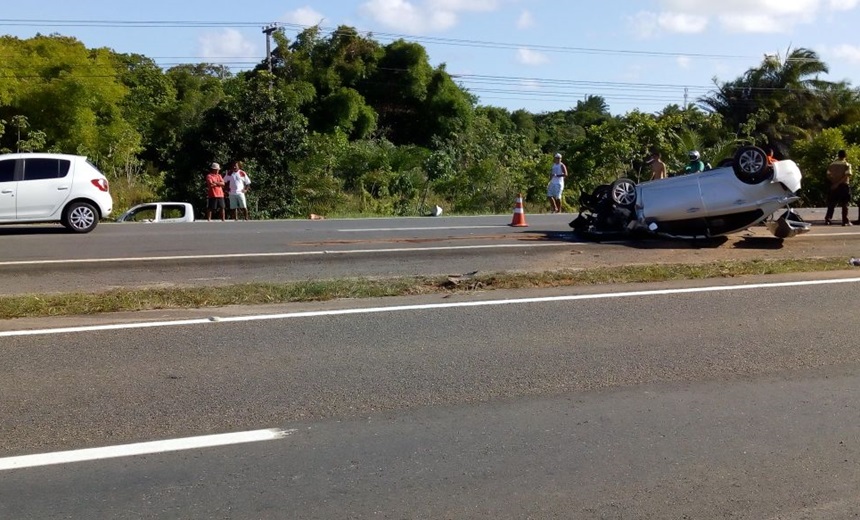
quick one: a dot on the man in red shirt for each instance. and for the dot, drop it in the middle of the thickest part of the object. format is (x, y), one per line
(214, 191)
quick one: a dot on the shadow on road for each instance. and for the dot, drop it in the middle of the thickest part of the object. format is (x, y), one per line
(643, 242)
(771, 243)
(551, 236)
(652, 242)
(33, 230)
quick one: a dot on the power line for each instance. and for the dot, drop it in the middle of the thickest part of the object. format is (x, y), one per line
(546, 89)
(148, 24)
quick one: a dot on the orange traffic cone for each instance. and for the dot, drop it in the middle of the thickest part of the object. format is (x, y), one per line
(519, 213)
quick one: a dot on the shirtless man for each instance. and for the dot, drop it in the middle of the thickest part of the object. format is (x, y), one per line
(658, 167)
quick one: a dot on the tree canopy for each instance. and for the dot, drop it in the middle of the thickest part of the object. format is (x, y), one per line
(343, 124)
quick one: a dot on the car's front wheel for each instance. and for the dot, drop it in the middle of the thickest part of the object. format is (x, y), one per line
(623, 192)
(80, 217)
(750, 165)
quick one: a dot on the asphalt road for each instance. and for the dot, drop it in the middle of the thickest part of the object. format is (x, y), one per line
(46, 259)
(40, 259)
(718, 404)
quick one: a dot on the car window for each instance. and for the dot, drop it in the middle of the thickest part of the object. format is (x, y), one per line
(144, 214)
(38, 169)
(172, 211)
(7, 170)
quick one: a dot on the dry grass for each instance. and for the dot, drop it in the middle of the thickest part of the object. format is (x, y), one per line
(320, 290)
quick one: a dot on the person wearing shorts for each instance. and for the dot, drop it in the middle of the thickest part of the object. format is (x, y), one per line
(214, 191)
(239, 181)
(554, 189)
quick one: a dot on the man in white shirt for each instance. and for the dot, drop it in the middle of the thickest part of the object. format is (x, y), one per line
(239, 181)
(554, 189)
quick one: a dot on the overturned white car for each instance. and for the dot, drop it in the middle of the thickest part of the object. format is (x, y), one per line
(739, 193)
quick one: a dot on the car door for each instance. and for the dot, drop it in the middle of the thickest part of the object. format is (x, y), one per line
(673, 199)
(44, 185)
(724, 194)
(8, 187)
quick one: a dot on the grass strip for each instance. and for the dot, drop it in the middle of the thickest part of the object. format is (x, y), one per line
(116, 300)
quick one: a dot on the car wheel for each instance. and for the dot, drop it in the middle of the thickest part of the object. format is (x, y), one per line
(623, 192)
(750, 165)
(80, 217)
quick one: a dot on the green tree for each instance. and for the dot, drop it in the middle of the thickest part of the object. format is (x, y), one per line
(813, 156)
(481, 169)
(71, 94)
(787, 89)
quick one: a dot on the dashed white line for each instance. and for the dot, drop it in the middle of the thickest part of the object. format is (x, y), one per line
(143, 448)
(419, 307)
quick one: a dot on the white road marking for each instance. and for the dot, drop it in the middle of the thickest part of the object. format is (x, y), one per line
(440, 228)
(284, 254)
(419, 307)
(143, 448)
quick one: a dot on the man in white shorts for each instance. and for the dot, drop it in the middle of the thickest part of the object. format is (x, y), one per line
(239, 181)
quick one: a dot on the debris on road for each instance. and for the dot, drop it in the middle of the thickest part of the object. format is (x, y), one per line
(455, 281)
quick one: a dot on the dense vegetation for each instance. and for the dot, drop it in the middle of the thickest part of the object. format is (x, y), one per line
(341, 125)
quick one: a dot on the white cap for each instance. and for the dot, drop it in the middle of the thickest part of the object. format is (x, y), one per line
(558, 156)
(214, 166)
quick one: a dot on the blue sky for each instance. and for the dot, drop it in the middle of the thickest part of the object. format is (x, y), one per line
(539, 55)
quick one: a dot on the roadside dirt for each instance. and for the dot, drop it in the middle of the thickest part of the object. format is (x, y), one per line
(753, 244)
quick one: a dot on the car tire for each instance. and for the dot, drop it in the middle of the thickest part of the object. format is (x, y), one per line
(623, 192)
(80, 217)
(750, 165)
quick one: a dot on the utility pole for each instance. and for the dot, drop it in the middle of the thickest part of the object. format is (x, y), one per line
(686, 95)
(268, 30)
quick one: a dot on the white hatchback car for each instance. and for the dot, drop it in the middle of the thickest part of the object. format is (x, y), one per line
(47, 187)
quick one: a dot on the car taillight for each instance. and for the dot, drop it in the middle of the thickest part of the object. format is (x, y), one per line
(101, 184)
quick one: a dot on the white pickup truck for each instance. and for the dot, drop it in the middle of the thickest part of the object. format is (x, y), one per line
(153, 212)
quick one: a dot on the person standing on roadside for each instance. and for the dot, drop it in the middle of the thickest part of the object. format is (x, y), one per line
(239, 182)
(658, 167)
(554, 189)
(839, 194)
(214, 191)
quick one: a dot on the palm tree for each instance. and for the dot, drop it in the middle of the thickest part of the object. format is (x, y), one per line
(785, 95)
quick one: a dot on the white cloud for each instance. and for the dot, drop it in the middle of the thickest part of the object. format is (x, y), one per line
(303, 16)
(646, 24)
(684, 62)
(845, 52)
(421, 17)
(477, 6)
(532, 58)
(526, 20)
(842, 5)
(682, 23)
(226, 44)
(747, 16)
(752, 24)
(741, 7)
